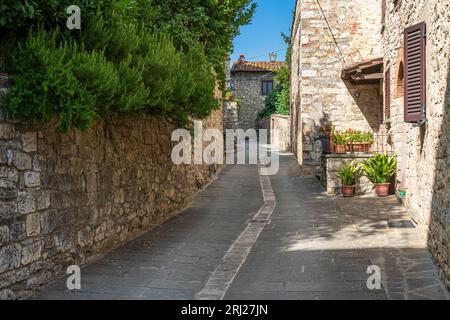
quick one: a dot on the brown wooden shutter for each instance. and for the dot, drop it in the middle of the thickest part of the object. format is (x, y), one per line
(387, 94)
(415, 73)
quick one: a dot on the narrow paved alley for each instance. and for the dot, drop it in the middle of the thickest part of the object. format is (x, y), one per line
(250, 236)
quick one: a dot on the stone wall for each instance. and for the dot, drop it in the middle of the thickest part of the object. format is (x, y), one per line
(247, 89)
(68, 198)
(294, 92)
(324, 43)
(423, 152)
(230, 115)
(278, 131)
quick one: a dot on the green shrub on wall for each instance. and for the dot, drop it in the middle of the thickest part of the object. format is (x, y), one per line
(158, 57)
(44, 85)
(76, 85)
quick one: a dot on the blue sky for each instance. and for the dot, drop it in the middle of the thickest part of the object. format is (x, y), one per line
(263, 35)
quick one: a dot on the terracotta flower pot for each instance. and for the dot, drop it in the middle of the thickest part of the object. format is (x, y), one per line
(348, 191)
(382, 189)
(340, 148)
(362, 147)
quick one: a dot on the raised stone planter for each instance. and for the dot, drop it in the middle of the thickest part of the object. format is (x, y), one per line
(331, 163)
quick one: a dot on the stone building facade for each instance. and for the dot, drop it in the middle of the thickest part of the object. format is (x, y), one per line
(250, 82)
(68, 198)
(329, 36)
(423, 150)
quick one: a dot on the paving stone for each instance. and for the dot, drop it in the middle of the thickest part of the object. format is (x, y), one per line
(315, 248)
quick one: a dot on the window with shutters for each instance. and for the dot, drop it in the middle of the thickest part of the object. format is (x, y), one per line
(415, 73)
(387, 94)
(266, 87)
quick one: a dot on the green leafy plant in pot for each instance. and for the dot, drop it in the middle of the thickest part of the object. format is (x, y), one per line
(348, 174)
(339, 141)
(380, 169)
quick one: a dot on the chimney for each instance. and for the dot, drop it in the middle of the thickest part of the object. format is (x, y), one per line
(241, 59)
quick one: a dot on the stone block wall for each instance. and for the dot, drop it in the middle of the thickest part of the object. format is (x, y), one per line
(327, 39)
(68, 198)
(230, 115)
(278, 131)
(424, 152)
(294, 92)
(247, 89)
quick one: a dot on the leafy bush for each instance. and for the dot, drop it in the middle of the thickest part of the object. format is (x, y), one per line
(162, 57)
(210, 24)
(148, 75)
(348, 173)
(44, 86)
(380, 168)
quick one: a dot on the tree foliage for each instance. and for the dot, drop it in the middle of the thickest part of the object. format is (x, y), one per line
(153, 56)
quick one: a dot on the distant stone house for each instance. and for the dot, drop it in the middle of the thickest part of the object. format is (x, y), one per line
(384, 66)
(251, 82)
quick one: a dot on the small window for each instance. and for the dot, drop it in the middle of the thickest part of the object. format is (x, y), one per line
(266, 87)
(400, 80)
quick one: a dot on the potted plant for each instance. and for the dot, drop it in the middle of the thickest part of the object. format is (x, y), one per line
(360, 141)
(339, 141)
(348, 174)
(380, 169)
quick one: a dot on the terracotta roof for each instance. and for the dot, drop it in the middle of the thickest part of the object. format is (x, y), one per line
(255, 66)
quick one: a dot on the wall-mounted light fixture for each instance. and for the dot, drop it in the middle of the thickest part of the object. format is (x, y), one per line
(357, 95)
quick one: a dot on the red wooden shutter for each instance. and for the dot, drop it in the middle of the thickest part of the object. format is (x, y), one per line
(415, 73)
(387, 94)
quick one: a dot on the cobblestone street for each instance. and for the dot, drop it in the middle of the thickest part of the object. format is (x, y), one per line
(250, 236)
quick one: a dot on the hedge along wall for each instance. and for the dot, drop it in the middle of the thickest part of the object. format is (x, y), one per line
(66, 198)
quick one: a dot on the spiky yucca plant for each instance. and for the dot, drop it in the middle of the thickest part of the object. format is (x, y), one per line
(380, 168)
(348, 173)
